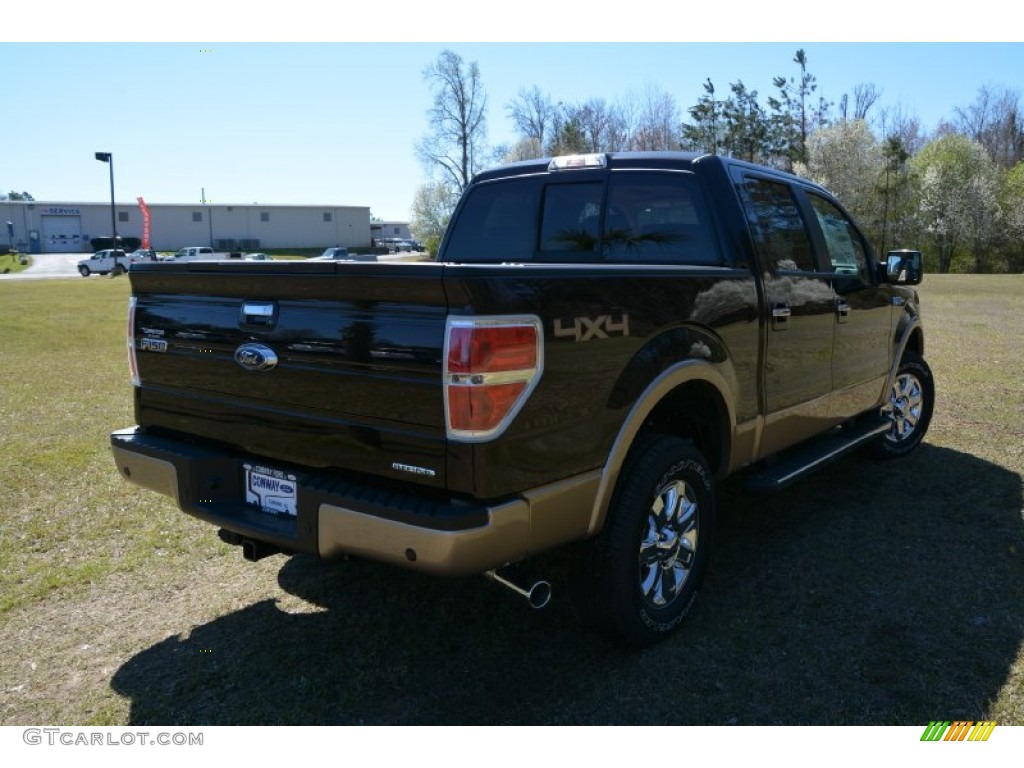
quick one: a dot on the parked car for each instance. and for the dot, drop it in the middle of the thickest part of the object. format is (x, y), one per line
(143, 254)
(339, 253)
(257, 257)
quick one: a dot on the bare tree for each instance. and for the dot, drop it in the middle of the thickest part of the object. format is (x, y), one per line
(455, 144)
(533, 114)
(864, 97)
(657, 121)
(895, 121)
(524, 149)
(994, 120)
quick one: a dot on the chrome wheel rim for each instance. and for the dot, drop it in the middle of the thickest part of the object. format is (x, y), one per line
(669, 546)
(904, 409)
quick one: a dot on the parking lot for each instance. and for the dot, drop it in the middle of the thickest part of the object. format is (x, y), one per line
(46, 265)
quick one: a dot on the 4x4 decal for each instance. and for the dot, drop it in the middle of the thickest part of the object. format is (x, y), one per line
(585, 328)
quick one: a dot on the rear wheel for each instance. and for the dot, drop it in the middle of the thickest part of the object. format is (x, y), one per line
(653, 554)
(909, 408)
(118, 270)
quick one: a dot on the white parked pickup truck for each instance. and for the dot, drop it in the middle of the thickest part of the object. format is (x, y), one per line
(105, 262)
(194, 253)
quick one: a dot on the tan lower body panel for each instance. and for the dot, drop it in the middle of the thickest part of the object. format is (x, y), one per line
(543, 518)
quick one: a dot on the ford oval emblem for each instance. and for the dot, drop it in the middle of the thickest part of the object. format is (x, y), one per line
(255, 357)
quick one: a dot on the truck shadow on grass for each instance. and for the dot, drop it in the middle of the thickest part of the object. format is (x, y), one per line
(873, 593)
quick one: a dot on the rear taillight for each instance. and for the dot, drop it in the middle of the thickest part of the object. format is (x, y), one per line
(133, 366)
(491, 366)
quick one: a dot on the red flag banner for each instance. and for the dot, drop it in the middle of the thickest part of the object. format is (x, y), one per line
(145, 222)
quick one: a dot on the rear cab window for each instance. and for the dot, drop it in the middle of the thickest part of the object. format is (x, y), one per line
(619, 216)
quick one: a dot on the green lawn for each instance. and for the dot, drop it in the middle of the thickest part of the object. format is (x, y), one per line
(11, 262)
(872, 593)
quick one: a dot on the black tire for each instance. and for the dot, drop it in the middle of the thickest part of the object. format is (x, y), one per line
(911, 401)
(83, 271)
(646, 567)
(118, 270)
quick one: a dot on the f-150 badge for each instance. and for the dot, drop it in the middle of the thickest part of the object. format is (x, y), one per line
(586, 328)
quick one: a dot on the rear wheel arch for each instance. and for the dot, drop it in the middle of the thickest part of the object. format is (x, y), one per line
(691, 401)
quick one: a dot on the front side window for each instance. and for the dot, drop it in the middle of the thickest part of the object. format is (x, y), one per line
(845, 248)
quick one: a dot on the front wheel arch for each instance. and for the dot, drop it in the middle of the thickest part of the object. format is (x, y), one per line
(909, 405)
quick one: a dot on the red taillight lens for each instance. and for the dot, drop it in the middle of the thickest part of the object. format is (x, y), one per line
(491, 349)
(491, 366)
(481, 409)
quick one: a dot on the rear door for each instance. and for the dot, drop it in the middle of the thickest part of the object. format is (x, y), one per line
(800, 307)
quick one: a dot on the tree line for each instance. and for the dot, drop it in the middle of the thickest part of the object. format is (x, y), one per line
(956, 192)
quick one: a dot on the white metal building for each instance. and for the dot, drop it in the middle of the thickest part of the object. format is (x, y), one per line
(67, 227)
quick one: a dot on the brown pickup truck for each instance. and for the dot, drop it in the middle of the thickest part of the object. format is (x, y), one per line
(600, 338)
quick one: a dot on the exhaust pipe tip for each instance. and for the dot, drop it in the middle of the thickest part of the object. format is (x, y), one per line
(539, 595)
(537, 592)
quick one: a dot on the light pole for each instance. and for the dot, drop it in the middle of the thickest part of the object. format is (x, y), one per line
(107, 157)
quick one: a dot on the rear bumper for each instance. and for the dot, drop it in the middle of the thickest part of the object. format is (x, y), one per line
(336, 516)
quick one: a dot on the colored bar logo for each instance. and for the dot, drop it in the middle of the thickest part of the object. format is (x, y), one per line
(961, 730)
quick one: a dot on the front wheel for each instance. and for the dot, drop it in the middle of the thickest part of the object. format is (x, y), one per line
(909, 408)
(83, 271)
(653, 554)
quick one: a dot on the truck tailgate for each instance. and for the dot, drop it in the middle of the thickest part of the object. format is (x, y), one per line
(345, 372)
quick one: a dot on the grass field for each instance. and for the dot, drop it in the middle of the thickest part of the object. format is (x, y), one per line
(871, 593)
(11, 262)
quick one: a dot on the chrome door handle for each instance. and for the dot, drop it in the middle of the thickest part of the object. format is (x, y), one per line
(780, 316)
(843, 309)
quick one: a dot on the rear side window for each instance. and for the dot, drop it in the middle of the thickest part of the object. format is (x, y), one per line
(642, 217)
(778, 227)
(498, 222)
(657, 218)
(570, 219)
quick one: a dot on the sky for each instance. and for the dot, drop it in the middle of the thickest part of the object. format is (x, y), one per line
(314, 116)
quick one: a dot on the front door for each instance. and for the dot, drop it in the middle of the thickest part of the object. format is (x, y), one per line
(863, 330)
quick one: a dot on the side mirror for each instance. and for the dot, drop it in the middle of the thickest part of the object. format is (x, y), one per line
(903, 267)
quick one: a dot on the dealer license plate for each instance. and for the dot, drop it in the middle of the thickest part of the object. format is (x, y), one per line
(271, 490)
